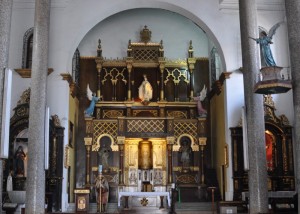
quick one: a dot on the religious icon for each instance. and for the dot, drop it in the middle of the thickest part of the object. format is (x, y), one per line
(81, 203)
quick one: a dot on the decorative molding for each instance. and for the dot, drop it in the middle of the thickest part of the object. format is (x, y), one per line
(81, 191)
(26, 72)
(30, 4)
(224, 76)
(25, 97)
(217, 85)
(267, 5)
(88, 142)
(74, 89)
(56, 120)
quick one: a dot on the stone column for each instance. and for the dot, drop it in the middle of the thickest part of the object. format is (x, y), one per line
(293, 23)
(257, 175)
(35, 194)
(5, 20)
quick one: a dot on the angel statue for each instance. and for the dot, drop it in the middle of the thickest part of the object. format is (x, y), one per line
(93, 98)
(265, 40)
(199, 99)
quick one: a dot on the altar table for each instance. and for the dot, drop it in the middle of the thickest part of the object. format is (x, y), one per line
(144, 194)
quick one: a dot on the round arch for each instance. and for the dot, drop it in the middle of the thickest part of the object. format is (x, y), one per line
(94, 20)
(97, 146)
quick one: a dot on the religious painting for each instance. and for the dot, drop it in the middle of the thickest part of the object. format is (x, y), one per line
(270, 141)
(81, 203)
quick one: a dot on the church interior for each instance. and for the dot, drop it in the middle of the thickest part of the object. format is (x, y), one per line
(149, 106)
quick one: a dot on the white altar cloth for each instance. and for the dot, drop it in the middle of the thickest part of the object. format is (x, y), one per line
(144, 194)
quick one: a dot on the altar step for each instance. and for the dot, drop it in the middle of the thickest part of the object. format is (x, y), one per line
(111, 208)
(194, 207)
(180, 208)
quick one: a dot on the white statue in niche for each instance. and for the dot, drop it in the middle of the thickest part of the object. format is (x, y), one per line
(145, 90)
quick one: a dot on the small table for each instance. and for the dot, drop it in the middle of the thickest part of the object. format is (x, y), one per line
(144, 194)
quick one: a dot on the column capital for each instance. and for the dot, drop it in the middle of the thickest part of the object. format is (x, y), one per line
(191, 64)
(99, 61)
(88, 141)
(121, 140)
(202, 141)
(170, 140)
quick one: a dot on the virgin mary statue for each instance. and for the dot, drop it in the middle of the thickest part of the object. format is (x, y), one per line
(145, 90)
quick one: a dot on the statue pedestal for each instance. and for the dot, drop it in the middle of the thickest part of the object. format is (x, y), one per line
(272, 82)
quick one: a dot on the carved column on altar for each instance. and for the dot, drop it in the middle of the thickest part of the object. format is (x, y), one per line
(191, 64)
(284, 154)
(121, 142)
(162, 68)
(170, 142)
(202, 144)
(88, 144)
(99, 60)
(129, 68)
(201, 126)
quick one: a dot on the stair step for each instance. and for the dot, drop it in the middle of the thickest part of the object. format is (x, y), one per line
(197, 206)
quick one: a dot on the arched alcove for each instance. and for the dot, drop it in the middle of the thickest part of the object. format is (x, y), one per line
(94, 19)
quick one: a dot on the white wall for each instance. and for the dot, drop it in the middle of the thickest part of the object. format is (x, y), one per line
(175, 30)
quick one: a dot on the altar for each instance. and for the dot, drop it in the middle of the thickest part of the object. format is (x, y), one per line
(145, 198)
(144, 144)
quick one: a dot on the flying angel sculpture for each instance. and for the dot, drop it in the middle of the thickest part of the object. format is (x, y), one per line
(93, 98)
(265, 40)
(199, 99)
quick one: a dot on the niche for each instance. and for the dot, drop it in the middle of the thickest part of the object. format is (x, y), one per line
(145, 155)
